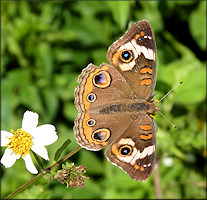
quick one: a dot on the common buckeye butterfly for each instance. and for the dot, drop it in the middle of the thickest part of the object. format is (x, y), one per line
(115, 103)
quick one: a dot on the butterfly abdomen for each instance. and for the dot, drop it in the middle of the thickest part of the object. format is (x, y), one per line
(117, 108)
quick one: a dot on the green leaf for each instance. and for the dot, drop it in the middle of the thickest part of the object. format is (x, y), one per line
(193, 89)
(61, 149)
(190, 70)
(120, 11)
(197, 25)
(151, 13)
(45, 59)
(15, 49)
(51, 103)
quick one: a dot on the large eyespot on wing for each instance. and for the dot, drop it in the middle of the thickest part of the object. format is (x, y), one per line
(135, 150)
(99, 86)
(94, 131)
(134, 55)
(139, 39)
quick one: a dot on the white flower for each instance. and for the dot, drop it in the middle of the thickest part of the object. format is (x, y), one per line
(29, 137)
(168, 161)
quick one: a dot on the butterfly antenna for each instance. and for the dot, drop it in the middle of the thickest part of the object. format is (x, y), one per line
(168, 120)
(169, 92)
(163, 98)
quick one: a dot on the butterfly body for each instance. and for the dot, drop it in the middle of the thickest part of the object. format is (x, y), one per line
(115, 103)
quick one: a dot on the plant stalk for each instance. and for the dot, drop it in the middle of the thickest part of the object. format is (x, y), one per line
(43, 172)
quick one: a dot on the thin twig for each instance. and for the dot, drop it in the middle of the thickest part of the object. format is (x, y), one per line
(63, 159)
(157, 181)
(24, 186)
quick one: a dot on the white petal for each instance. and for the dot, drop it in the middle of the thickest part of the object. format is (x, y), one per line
(45, 134)
(40, 150)
(9, 158)
(168, 161)
(5, 137)
(29, 164)
(30, 121)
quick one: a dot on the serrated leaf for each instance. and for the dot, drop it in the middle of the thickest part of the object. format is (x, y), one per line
(61, 149)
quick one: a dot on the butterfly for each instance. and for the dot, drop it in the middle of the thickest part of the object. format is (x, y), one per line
(115, 103)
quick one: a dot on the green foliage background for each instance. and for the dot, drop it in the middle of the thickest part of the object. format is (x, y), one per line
(44, 47)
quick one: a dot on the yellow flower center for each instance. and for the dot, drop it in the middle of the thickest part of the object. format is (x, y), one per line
(20, 143)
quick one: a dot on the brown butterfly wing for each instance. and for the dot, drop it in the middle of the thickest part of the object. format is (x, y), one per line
(105, 84)
(98, 98)
(135, 151)
(94, 131)
(134, 55)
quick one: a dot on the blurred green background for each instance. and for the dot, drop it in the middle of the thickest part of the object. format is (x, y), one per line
(45, 46)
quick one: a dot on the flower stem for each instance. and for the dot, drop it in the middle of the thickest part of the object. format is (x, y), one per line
(23, 187)
(43, 172)
(63, 159)
(157, 180)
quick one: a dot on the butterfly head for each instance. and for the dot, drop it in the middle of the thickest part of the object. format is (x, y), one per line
(152, 108)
